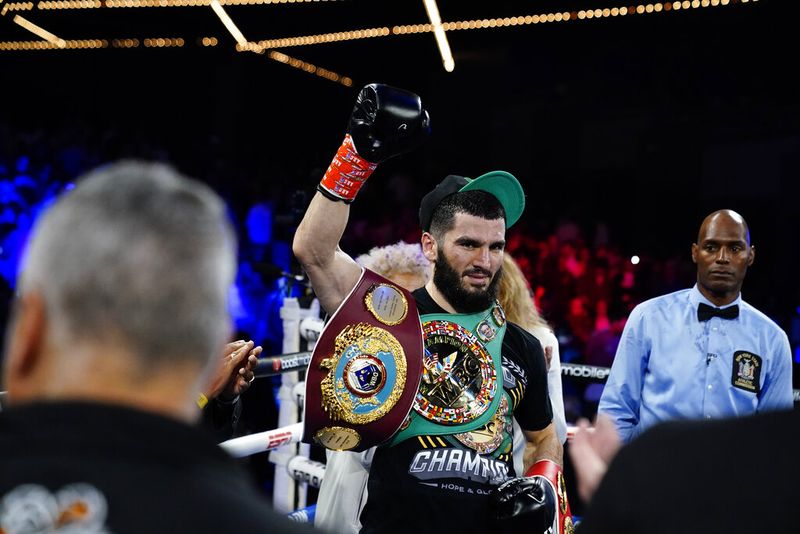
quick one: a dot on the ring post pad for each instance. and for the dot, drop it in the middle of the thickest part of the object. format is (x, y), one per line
(365, 368)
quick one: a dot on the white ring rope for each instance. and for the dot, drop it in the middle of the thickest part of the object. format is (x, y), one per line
(263, 441)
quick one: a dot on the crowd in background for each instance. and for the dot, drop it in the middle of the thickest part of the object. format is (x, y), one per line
(581, 280)
(583, 284)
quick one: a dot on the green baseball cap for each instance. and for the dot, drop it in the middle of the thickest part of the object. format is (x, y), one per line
(500, 184)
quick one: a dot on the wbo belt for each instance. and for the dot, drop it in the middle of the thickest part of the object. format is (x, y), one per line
(365, 368)
(459, 391)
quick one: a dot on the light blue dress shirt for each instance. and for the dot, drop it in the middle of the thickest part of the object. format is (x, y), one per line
(669, 365)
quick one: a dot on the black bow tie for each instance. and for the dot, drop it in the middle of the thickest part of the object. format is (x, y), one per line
(706, 312)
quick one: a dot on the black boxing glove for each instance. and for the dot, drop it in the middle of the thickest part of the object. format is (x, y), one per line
(538, 497)
(385, 122)
(525, 504)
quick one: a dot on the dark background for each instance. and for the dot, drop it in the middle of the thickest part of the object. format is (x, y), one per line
(645, 122)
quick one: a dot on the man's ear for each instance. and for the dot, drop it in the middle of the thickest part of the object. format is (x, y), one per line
(429, 247)
(24, 345)
(752, 255)
(695, 249)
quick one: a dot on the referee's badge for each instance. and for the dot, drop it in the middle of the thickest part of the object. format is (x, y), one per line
(746, 371)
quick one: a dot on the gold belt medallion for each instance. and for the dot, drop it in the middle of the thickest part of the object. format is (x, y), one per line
(459, 380)
(486, 439)
(365, 375)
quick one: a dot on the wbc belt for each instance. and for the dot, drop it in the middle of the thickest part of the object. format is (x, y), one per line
(365, 368)
(460, 390)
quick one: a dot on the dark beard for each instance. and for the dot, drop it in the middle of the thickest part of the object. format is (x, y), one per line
(448, 282)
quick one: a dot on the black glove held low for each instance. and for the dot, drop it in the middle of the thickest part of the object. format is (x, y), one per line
(524, 504)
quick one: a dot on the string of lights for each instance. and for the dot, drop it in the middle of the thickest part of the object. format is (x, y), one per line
(310, 68)
(155, 42)
(16, 6)
(280, 57)
(45, 45)
(267, 46)
(367, 33)
(504, 22)
(326, 38)
(99, 4)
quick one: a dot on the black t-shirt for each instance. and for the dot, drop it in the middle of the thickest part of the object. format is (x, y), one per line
(440, 483)
(98, 469)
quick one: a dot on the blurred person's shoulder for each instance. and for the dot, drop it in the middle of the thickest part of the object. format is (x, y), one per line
(134, 471)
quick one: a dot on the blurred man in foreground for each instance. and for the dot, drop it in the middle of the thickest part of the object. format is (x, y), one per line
(121, 314)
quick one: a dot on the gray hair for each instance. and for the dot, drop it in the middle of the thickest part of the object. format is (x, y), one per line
(400, 257)
(140, 255)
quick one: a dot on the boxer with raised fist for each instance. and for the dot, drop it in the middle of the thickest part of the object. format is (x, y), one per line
(479, 372)
(385, 122)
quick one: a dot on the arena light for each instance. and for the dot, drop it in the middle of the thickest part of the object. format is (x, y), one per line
(321, 38)
(441, 38)
(17, 6)
(228, 22)
(163, 42)
(45, 45)
(69, 4)
(310, 68)
(261, 46)
(280, 57)
(125, 43)
(40, 32)
(94, 4)
(502, 22)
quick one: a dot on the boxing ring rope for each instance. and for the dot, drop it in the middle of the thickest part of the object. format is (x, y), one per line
(308, 471)
(276, 438)
(285, 363)
(298, 470)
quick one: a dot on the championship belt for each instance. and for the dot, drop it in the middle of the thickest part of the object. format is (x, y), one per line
(365, 368)
(460, 390)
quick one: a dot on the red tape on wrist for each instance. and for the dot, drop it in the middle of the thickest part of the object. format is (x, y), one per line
(546, 468)
(553, 472)
(347, 172)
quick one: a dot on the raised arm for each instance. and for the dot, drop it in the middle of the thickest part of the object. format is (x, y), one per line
(316, 244)
(385, 122)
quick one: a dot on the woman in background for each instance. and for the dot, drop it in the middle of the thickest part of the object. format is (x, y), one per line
(516, 299)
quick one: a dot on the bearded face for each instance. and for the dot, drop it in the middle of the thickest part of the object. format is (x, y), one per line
(468, 261)
(462, 295)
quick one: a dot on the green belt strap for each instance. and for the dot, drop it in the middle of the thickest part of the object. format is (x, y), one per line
(419, 425)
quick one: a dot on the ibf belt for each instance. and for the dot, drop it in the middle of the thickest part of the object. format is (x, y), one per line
(459, 390)
(365, 368)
